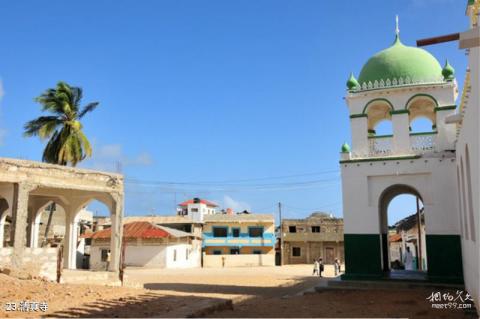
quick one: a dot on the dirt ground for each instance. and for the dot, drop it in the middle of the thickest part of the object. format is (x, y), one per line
(252, 292)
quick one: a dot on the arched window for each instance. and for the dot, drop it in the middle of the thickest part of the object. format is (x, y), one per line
(384, 127)
(422, 113)
(378, 111)
(421, 124)
(469, 194)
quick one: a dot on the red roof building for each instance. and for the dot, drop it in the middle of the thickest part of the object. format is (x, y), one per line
(197, 201)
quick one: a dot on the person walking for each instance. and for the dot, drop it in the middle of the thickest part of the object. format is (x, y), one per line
(316, 267)
(337, 267)
(321, 268)
(408, 259)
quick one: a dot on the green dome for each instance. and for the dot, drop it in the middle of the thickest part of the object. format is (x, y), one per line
(401, 61)
(345, 148)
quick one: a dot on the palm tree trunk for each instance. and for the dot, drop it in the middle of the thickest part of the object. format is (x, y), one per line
(49, 222)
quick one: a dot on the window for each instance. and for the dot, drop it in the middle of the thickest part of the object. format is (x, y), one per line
(236, 232)
(194, 210)
(174, 255)
(255, 231)
(88, 241)
(292, 229)
(217, 252)
(315, 229)
(257, 252)
(235, 251)
(187, 252)
(105, 253)
(296, 252)
(220, 231)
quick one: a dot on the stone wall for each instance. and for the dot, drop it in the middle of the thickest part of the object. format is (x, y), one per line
(39, 262)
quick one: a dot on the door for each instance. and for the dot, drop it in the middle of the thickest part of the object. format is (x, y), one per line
(329, 255)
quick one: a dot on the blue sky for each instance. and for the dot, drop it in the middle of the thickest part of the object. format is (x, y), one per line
(210, 92)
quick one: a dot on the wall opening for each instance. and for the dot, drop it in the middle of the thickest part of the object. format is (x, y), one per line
(403, 233)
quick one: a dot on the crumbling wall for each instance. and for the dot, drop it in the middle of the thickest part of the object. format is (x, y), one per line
(35, 262)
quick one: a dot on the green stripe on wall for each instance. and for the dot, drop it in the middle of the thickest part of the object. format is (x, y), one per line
(444, 255)
(362, 256)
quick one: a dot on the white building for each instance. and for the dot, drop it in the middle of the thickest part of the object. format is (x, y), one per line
(196, 209)
(399, 85)
(467, 122)
(147, 245)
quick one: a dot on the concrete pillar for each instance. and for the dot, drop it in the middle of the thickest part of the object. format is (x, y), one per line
(34, 230)
(446, 133)
(401, 133)
(3, 218)
(359, 127)
(19, 220)
(116, 215)
(70, 241)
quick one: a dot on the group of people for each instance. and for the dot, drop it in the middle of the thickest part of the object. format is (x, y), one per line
(318, 267)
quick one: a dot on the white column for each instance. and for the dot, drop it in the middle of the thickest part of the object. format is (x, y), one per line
(19, 220)
(70, 244)
(116, 215)
(401, 132)
(359, 127)
(35, 229)
(3, 218)
(446, 133)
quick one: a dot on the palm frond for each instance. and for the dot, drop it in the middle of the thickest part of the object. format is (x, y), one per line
(88, 108)
(42, 126)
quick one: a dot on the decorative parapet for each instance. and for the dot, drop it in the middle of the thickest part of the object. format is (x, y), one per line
(395, 82)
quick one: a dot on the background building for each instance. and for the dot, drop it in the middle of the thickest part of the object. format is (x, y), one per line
(232, 240)
(147, 245)
(319, 235)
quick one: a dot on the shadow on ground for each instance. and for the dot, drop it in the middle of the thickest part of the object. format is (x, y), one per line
(147, 305)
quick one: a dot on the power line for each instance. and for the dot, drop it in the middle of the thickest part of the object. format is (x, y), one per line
(224, 182)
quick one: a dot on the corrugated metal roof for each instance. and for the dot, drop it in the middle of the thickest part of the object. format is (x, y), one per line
(159, 219)
(140, 229)
(239, 217)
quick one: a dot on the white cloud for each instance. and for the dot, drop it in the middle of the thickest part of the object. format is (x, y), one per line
(110, 157)
(237, 206)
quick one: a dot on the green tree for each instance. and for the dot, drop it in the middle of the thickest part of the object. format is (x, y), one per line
(67, 144)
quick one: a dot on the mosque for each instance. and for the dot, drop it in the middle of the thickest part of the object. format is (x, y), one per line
(438, 166)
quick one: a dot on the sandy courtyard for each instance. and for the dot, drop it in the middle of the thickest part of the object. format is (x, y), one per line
(227, 292)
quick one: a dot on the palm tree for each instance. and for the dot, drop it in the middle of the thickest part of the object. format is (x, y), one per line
(67, 143)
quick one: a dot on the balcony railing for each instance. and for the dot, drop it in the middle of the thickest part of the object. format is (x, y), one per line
(379, 146)
(382, 146)
(423, 142)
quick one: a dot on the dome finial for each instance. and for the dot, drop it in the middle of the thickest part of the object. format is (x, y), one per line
(397, 28)
(352, 83)
(448, 72)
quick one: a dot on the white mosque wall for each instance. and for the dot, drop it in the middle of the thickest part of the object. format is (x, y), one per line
(469, 208)
(364, 182)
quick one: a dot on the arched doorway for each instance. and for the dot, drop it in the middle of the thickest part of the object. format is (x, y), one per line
(403, 238)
